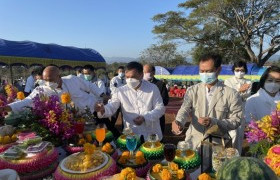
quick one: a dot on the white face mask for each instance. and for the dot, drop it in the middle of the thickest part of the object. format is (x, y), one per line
(52, 85)
(147, 76)
(272, 87)
(239, 74)
(132, 82)
(121, 75)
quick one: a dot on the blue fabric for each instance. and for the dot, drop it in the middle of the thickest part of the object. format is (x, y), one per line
(253, 69)
(185, 70)
(47, 51)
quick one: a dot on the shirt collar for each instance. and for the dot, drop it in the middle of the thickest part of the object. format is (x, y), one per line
(212, 89)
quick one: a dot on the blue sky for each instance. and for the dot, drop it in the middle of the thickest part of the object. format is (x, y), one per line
(119, 28)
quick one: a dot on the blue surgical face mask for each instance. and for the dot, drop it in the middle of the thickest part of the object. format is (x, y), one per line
(88, 77)
(208, 78)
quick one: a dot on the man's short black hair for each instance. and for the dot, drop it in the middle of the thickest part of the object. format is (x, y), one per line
(89, 67)
(135, 65)
(121, 67)
(79, 69)
(266, 73)
(240, 64)
(215, 57)
(38, 71)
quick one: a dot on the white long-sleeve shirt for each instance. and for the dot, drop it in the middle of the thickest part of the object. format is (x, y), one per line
(116, 82)
(236, 83)
(80, 90)
(145, 101)
(29, 84)
(260, 105)
(100, 84)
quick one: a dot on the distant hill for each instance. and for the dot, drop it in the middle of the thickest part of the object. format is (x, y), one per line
(111, 60)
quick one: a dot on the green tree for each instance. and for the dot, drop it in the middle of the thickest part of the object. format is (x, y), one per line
(243, 29)
(162, 54)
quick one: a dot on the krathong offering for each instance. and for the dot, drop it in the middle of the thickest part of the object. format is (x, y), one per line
(91, 164)
(32, 158)
(8, 137)
(121, 141)
(152, 149)
(83, 162)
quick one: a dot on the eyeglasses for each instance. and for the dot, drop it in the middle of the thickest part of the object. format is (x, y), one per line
(239, 70)
(273, 80)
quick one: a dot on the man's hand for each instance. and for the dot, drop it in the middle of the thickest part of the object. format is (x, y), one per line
(99, 108)
(244, 87)
(204, 121)
(139, 120)
(5, 109)
(176, 128)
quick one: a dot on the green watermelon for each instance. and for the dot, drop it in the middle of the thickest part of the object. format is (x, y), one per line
(245, 168)
(190, 162)
(121, 142)
(155, 153)
(109, 137)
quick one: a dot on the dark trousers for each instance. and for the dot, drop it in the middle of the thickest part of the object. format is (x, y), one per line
(162, 123)
(114, 118)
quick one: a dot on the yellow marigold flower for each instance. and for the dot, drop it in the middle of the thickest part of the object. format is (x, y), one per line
(140, 160)
(128, 174)
(126, 154)
(157, 168)
(204, 176)
(180, 174)
(65, 98)
(20, 95)
(139, 154)
(89, 148)
(174, 166)
(165, 175)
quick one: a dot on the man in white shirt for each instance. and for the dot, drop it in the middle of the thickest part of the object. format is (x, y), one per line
(90, 75)
(56, 85)
(208, 103)
(118, 80)
(79, 72)
(36, 74)
(140, 101)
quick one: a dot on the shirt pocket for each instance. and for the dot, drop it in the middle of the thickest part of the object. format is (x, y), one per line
(221, 111)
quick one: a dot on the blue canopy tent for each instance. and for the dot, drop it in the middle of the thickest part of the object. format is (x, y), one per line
(161, 71)
(191, 73)
(28, 54)
(32, 53)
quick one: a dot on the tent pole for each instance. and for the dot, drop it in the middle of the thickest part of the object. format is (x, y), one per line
(11, 74)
